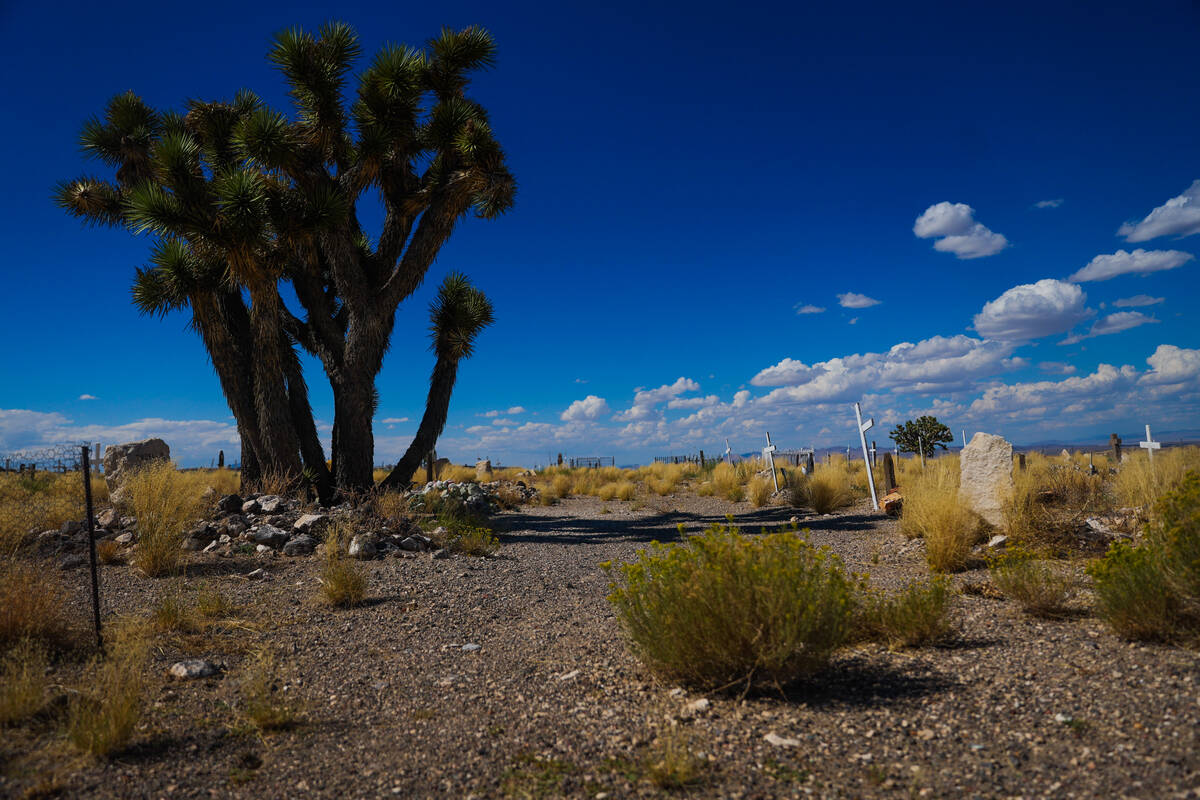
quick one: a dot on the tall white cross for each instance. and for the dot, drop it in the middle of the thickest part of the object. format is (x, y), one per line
(863, 427)
(964, 433)
(1150, 445)
(728, 453)
(770, 460)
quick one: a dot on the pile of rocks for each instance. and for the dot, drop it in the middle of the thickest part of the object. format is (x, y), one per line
(478, 498)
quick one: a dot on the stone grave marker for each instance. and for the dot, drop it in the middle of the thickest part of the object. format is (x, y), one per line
(986, 476)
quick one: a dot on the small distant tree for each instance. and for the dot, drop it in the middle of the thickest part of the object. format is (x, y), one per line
(926, 434)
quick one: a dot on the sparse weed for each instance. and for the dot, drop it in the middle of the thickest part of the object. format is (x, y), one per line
(670, 762)
(102, 717)
(916, 615)
(343, 583)
(469, 540)
(108, 552)
(785, 605)
(264, 702)
(23, 682)
(1039, 588)
(824, 491)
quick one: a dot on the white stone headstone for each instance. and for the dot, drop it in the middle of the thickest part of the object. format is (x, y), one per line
(985, 478)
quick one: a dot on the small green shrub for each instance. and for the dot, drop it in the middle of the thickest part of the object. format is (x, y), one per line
(1175, 533)
(1132, 595)
(1039, 588)
(723, 610)
(916, 615)
(469, 540)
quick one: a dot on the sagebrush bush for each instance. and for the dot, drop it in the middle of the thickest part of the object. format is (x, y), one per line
(1153, 591)
(723, 610)
(916, 615)
(1038, 587)
(164, 501)
(1131, 594)
(32, 606)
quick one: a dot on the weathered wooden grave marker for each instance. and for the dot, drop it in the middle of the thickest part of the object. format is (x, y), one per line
(863, 427)
(1115, 441)
(889, 474)
(769, 458)
(1150, 445)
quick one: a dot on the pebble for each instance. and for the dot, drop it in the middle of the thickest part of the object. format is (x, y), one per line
(781, 741)
(470, 648)
(192, 669)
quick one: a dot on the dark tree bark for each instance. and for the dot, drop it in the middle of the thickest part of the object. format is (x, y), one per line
(433, 422)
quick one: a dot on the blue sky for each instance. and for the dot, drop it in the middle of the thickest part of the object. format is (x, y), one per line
(1013, 187)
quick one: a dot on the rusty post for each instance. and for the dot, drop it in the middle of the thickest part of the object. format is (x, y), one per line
(91, 528)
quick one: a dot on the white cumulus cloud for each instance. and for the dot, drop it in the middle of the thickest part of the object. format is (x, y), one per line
(589, 408)
(1141, 262)
(1179, 216)
(645, 400)
(806, 308)
(954, 227)
(1033, 310)
(1172, 365)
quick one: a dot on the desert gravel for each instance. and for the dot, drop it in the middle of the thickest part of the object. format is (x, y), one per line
(509, 677)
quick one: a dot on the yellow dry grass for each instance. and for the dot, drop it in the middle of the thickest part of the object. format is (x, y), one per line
(31, 504)
(933, 511)
(164, 501)
(1139, 483)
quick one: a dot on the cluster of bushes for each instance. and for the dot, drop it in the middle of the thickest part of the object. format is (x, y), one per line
(723, 610)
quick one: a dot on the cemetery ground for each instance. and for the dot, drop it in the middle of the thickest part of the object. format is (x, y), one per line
(509, 675)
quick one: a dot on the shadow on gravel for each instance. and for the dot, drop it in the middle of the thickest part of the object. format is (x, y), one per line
(858, 683)
(224, 567)
(662, 527)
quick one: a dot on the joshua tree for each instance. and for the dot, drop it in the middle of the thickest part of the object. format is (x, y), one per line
(244, 197)
(923, 436)
(456, 317)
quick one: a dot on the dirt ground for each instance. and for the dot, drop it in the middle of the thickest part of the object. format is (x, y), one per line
(551, 703)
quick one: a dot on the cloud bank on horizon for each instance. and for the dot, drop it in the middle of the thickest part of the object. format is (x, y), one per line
(955, 376)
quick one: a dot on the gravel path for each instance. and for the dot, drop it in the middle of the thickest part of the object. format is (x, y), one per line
(551, 704)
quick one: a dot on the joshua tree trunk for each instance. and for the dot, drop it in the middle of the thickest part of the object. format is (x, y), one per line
(306, 430)
(280, 444)
(437, 407)
(354, 407)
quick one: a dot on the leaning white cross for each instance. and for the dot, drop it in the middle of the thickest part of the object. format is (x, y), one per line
(728, 453)
(770, 459)
(863, 427)
(1150, 445)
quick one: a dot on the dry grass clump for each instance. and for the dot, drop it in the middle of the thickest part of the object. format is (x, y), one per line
(108, 552)
(626, 490)
(1139, 483)
(1038, 587)
(508, 496)
(343, 583)
(164, 502)
(784, 607)
(1050, 501)
(468, 539)
(933, 511)
(916, 615)
(265, 703)
(104, 713)
(173, 614)
(671, 763)
(32, 603)
(561, 485)
(34, 503)
(389, 505)
(729, 480)
(760, 490)
(824, 491)
(23, 682)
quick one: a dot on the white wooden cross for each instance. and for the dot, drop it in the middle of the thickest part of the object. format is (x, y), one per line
(770, 459)
(1150, 445)
(728, 453)
(863, 427)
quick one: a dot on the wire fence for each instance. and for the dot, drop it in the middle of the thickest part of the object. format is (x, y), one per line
(43, 490)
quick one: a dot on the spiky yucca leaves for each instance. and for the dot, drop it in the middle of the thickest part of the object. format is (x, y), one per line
(274, 198)
(457, 316)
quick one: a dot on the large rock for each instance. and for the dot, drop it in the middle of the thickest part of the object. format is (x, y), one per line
(986, 480)
(483, 469)
(122, 459)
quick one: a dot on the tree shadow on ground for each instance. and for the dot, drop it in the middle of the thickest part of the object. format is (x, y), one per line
(858, 683)
(662, 527)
